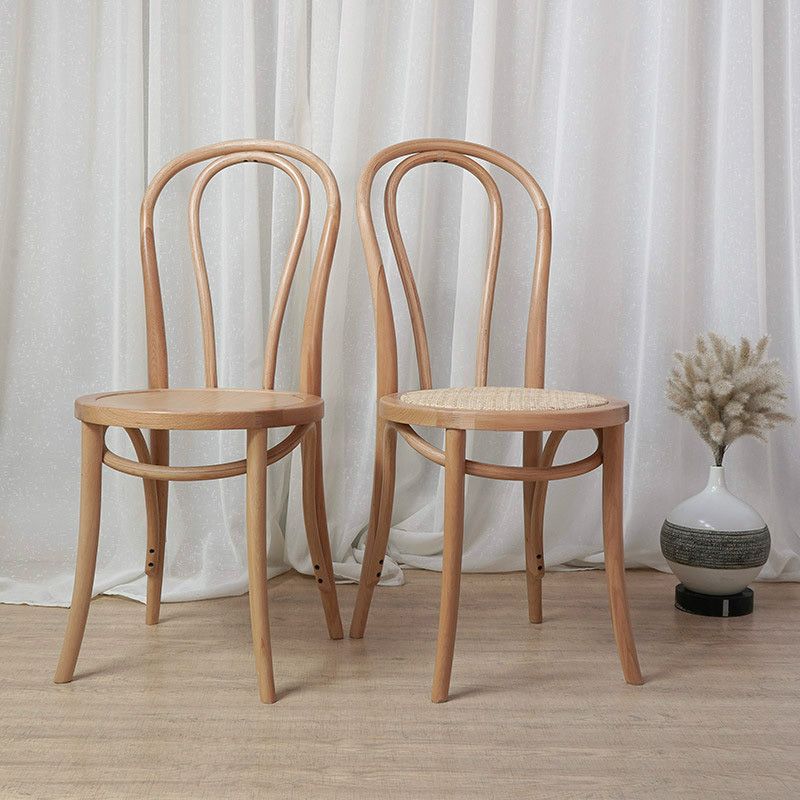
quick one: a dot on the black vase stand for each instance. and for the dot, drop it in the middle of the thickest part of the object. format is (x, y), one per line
(710, 605)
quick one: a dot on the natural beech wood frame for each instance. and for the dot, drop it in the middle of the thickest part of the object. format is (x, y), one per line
(395, 416)
(207, 409)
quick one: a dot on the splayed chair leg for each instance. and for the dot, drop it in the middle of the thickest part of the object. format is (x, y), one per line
(314, 513)
(379, 524)
(613, 465)
(92, 445)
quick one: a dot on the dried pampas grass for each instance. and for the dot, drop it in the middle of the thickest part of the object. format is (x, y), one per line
(727, 391)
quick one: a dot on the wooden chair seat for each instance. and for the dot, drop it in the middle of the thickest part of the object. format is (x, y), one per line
(199, 409)
(499, 408)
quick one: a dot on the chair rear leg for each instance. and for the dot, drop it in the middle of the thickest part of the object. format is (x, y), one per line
(379, 524)
(92, 445)
(455, 448)
(157, 538)
(531, 451)
(322, 514)
(534, 553)
(317, 529)
(613, 465)
(257, 561)
(152, 561)
(534, 544)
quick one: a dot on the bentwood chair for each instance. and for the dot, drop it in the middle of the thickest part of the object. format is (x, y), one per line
(530, 409)
(160, 409)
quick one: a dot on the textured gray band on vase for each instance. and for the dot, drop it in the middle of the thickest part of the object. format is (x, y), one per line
(696, 547)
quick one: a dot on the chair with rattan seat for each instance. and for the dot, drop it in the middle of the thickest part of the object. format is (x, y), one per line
(160, 409)
(530, 409)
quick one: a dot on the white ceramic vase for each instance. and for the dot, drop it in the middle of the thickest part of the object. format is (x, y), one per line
(714, 542)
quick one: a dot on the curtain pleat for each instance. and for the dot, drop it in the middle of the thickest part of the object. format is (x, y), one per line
(664, 135)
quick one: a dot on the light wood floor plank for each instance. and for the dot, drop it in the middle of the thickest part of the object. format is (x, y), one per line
(172, 711)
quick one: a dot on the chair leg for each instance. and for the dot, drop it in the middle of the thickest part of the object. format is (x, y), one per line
(534, 542)
(315, 519)
(257, 560)
(322, 514)
(613, 466)
(534, 562)
(455, 449)
(531, 451)
(153, 563)
(157, 539)
(379, 524)
(92, 443)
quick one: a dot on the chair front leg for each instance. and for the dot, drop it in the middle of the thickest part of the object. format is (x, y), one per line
(92, 444)
(157, 539)
(454, 473)
(380, 521)
(317, 529)
(613, 468)
(257, 560)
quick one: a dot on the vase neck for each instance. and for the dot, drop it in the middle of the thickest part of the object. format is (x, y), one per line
(716, 480)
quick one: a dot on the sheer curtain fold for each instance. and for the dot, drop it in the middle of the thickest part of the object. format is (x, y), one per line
(664, 135)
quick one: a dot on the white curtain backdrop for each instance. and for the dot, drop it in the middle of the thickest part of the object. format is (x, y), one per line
(663, 133)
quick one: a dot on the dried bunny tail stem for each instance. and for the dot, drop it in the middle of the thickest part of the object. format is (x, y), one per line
(718, 344)
(744, 352)
(734, 431)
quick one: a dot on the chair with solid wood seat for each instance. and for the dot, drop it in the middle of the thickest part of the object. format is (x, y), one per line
(199, 409)
(530, 409)
(160, 409)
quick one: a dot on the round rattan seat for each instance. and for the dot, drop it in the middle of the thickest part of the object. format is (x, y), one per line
(502, 408)
(502, 398)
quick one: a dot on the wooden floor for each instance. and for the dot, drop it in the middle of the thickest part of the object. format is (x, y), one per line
(536, 711)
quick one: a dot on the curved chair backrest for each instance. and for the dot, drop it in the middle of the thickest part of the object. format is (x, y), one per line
(462, 154)
(225, 154)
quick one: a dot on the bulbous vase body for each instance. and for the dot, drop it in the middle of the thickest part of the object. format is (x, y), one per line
(714, 542)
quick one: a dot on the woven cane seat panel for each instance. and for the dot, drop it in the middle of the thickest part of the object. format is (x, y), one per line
(500, 398)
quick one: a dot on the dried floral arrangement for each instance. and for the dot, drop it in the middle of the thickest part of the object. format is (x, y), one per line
(727, 391)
